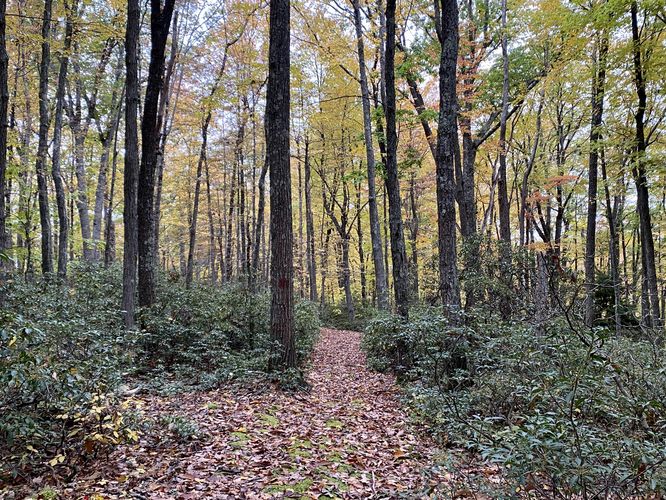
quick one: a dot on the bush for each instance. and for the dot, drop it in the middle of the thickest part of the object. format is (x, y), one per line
(570, 412)
(66, 359)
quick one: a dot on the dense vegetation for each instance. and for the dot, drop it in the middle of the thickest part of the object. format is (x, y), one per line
(563, 409)
(69, 368)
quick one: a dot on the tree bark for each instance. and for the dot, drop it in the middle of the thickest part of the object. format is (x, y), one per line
(640, 175)
(398, 251)
(131, 173)
(277, 146)
(61, 201)
(446, 138)
(42, 148)
(160, 22)
(598, 88)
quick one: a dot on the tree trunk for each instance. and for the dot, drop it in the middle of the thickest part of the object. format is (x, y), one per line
(160, 21)
(502, 186)
(398, 252)
(446, 138)
(277, 147)
(61, 201)
(42, 148)
(110, 228)
(640, 176)
(375, 234)
(309, 224)
(131, 173)
(414, 233)
(211, 231)
(195, 206)
(598, 88)
(4, 102)
(361, 251)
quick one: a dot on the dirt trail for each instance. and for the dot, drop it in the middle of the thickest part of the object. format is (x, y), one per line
(346, 438)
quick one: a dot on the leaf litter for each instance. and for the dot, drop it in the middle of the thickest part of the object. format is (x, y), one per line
(347, 437)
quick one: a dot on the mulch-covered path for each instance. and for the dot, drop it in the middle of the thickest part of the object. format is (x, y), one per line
(348, 437)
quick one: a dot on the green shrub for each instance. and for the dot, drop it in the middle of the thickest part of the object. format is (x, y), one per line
(66, 359)
(577, 410)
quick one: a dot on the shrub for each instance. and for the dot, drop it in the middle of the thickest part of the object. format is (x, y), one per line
(574, 411)
(66, 359)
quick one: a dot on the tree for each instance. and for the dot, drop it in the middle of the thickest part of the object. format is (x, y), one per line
(375, 235)
(398, 250)
(277, 147)
(131, 174)
(640, 174)
(447, 137)
(598, 88)
(61, 201)
(160, 22)
(4, 102)
(42, 148)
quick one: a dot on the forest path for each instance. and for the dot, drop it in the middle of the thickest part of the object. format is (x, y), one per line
(348, 437)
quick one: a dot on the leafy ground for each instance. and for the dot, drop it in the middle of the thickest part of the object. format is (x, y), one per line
(346, 437)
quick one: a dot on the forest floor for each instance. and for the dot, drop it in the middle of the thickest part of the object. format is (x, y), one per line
(347, 437)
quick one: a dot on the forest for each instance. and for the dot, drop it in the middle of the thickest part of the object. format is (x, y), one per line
(332, 249)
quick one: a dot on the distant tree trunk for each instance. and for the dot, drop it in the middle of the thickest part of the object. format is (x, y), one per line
(107, 136)
(598, 88)
(361, 252)
(228, 252)
(211, 231)
(277, 147)
(398, 252)
(309, 224)
(259, 227)
(131, 173)
(4, 102)
(375, 231)
(414, 233)
(195, 206)
(640, 175)
(110, 228)
(42, 148)
(160, 22)
(61, 201)
(446, 138)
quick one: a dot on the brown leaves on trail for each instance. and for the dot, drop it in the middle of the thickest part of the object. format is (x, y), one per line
(346, 438)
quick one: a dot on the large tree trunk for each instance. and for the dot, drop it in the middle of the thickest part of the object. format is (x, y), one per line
(640, 176)
(598, 87)
(277, 146)
(4, 102)
(131, 173)
(107, 138)
(446, 138)
(375, 234)
(160, 21)
(61, 201)
(42, 148)
(398, 251)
